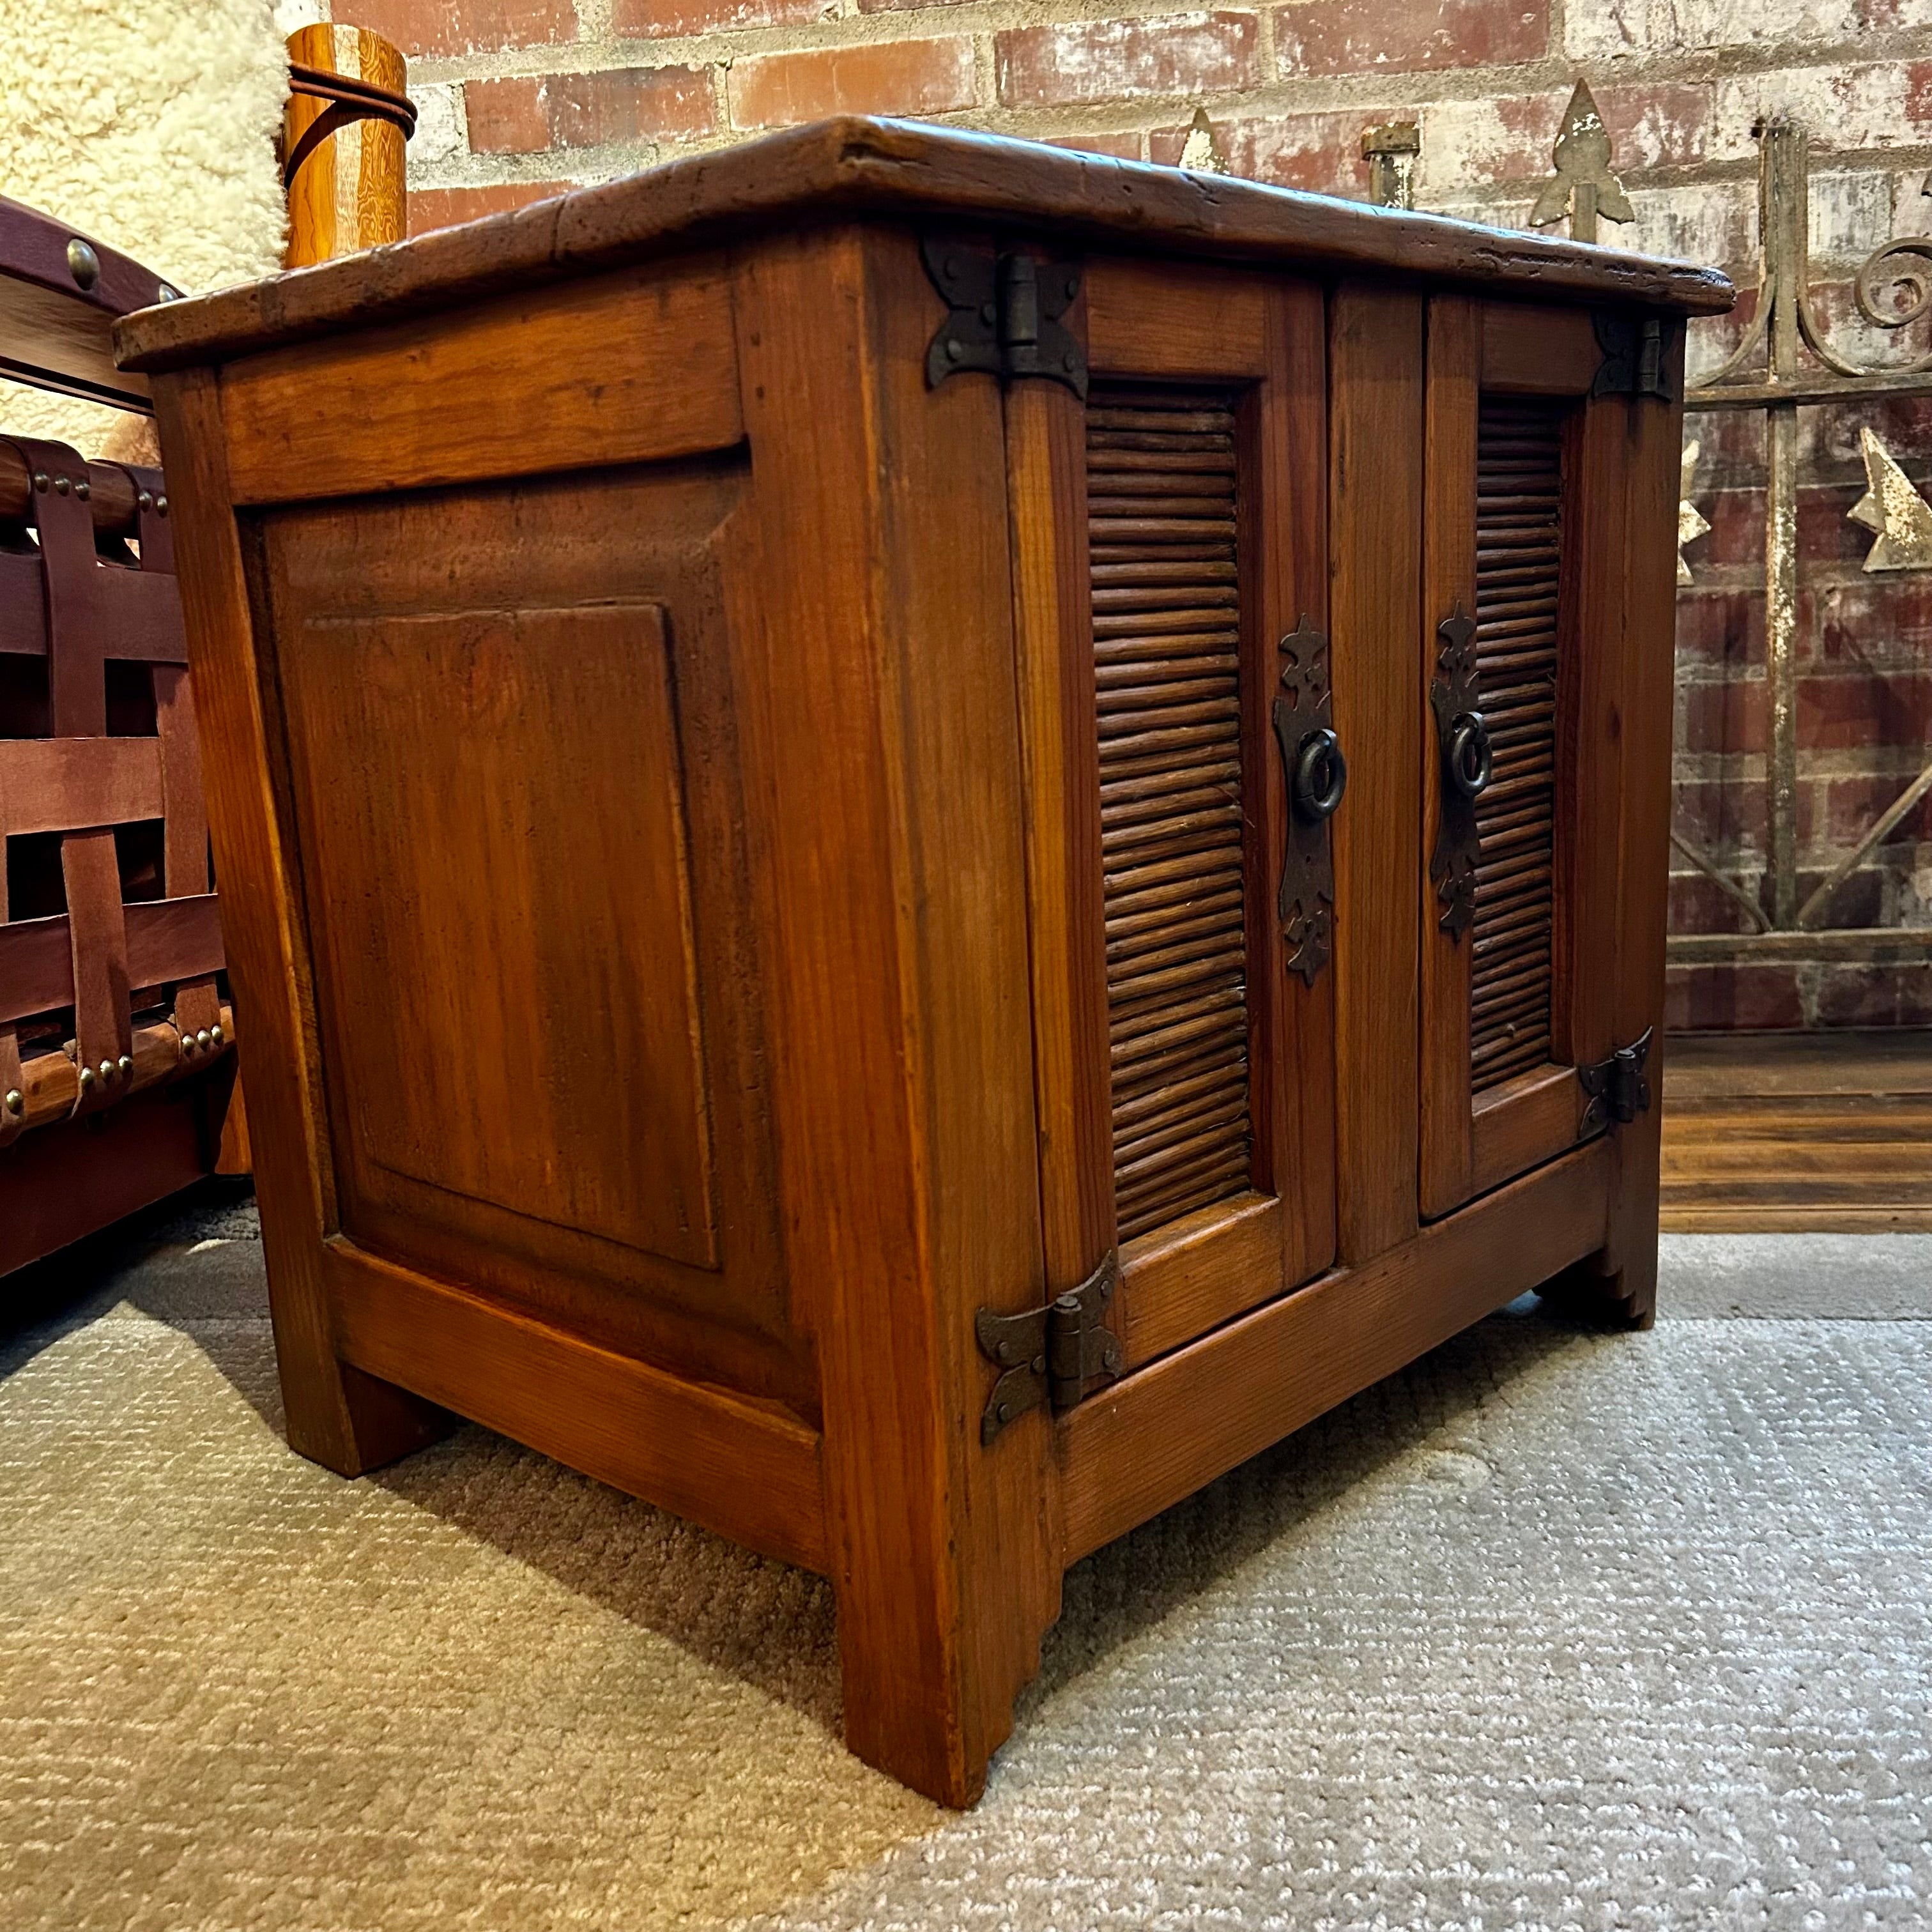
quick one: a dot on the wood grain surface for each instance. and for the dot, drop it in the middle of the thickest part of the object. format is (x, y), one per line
(853, 166)
(502, 390)
(1131, 1450)
(747, 1470)
(745, 859)
(1375, 521)
(1824, 1133)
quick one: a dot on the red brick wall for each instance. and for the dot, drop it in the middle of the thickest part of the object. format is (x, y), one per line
(519, 96)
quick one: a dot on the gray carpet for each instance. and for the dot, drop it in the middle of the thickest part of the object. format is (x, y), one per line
(1556, 1629)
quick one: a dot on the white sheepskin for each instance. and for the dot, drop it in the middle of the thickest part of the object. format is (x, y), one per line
(151, 125)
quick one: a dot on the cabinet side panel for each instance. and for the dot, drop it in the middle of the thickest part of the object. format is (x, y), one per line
(512, 777)
(477, 873)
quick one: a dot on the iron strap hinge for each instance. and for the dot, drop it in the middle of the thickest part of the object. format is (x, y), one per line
(1004, 315)
(1634, 362)
(1618, 1088)
(1050, 1354)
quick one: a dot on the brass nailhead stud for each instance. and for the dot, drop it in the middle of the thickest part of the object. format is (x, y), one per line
(86, 1079)
(83, 489)
(161, 506)
(214, 1034)
(107, 1069)
(146, 499)
(15, 1099)
(203, 1038)
(61, 486)
(40, 482)
(82, 263)
(125, 1063)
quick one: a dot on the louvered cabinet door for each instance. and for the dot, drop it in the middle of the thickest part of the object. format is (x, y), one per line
(1168, 535)
(1526, 606)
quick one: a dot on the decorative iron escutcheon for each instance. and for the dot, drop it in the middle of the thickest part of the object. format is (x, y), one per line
(1467, 761)
(1617, 1089)
(1048, 1355)
(1318, 775)
(1004, 311)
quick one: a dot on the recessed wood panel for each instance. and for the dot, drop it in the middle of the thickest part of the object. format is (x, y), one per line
(1519, 578)
(515, 789)
(1166, 601)
(498, 848)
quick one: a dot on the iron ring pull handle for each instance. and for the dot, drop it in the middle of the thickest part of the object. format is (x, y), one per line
(1468, 759)
(1320, 776)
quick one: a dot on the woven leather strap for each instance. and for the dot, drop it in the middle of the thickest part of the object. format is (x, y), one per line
(78, 631)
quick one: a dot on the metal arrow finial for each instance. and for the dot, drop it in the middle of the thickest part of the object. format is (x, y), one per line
(1583, 186)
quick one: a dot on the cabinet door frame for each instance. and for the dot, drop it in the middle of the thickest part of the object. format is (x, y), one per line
(1262, 337)
(1472, 1142)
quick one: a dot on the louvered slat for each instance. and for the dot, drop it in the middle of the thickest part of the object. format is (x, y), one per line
(1160, 482)
(1519, 558)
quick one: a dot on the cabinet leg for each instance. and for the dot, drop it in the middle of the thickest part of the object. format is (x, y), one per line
(1631, 1249)
(929, 1685)
(1616, 1287)
(941, 1614)
(1592, 1293)
(348, 1420)
(1629, 1296)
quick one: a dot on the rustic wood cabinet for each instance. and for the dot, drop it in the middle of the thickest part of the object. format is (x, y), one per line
(922, 836)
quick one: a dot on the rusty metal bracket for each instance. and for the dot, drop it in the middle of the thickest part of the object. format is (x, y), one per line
(1048, 1355)
(1635, 359)
(1004, 315)
(1463, 739)
(1317, 775)
(1617, 1088)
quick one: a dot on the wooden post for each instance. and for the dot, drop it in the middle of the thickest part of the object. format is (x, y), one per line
(347, 192)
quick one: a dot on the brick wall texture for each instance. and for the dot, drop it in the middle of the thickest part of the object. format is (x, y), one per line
(520, 97)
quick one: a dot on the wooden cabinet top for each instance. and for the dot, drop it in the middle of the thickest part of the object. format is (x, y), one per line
(853, 166)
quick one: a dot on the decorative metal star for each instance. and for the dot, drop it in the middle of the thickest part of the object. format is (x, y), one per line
(1691, 526)
(1583, 158)
(1894, 509)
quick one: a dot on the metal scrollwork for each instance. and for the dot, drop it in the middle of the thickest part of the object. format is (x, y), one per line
(1463, 738)
(1876, 274)
(1768, 371)
(1311, 756)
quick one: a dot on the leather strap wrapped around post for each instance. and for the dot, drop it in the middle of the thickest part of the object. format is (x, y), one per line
(197, 1008)
(76, 653)
(78, 629)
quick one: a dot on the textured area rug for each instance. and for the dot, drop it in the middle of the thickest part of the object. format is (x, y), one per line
(1556, 1629)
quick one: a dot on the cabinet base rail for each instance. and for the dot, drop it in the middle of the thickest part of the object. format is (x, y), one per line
(752, 1471)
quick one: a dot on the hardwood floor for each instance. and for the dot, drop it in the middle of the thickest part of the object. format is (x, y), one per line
(1783, 1133)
